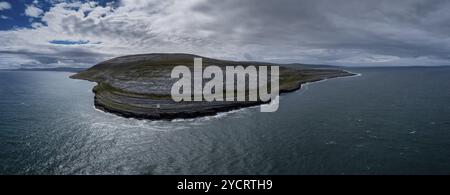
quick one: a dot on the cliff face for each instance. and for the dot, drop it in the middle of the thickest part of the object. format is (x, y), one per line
(139, 86)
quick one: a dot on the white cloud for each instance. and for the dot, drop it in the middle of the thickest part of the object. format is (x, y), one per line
(128, 29)
(238, 30)
(33, 11)
(4, 17)
(4, 5)
(36, 24)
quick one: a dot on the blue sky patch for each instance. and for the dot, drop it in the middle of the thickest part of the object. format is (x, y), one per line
(68, 42)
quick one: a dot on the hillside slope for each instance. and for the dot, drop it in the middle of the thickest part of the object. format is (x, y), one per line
(139, 86)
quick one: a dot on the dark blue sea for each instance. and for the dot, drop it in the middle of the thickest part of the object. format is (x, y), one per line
(386, 121)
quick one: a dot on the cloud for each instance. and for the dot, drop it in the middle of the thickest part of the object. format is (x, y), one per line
(4, 5)
(36, 24)
(342, 32)
(33, 11)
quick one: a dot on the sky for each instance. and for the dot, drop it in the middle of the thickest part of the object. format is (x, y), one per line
(75, 33)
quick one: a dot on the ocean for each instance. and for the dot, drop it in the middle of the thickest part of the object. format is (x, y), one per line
(385, 121)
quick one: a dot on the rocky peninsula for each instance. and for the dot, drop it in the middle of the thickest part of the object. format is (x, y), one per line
(138, 86)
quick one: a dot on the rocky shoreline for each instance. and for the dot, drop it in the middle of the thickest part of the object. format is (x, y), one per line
(114, 93)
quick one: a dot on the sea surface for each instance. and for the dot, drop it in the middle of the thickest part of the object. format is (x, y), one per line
(386, 121)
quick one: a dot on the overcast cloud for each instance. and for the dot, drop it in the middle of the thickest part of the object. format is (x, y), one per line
(339, 32)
